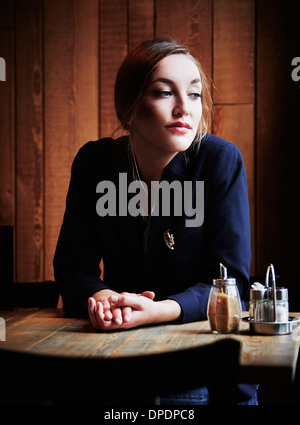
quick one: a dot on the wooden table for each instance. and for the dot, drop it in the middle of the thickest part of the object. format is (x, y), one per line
(267, 360)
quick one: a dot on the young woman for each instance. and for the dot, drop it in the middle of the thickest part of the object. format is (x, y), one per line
(158, 266)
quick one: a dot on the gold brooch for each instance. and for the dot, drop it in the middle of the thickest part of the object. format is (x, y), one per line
(169, 239)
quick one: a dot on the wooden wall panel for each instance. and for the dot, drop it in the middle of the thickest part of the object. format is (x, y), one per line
(7, 127)
(140, 21)
(236, 124)
(234, 29)
(70, 96)
(113, 42)
(6, 14)
(86, 64)
(29, 218)
(190, 23)
(63, 56)
(278, 143)
(60, 114)
(234, 94)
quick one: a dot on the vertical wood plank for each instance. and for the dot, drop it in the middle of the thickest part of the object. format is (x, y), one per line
(278, 147)
(140, 21)
(7, 115)
(29, 259)
(86, 63)
(6, 14)
(71, 101)
(113, 39)
(234, 31)
(236, 124)
(234, 92)
(7, 129)
(190, 23)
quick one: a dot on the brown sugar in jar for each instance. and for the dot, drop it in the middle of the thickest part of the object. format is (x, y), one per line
(224, 304)
(225, 317)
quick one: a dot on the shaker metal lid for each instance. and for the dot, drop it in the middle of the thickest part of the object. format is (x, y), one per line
(228, 281)
(258, 294)
(223, 279)
(281, 294)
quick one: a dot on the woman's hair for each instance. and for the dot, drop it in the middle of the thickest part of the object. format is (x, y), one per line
(134, 75)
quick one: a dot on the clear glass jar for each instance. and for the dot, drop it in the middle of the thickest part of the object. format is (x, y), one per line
(224, 306)
(257, 305)
(281, 313)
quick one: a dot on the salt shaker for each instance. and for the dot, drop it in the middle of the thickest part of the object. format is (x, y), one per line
(282, 306)
(224, 304)
(277, 305)
(257, 304)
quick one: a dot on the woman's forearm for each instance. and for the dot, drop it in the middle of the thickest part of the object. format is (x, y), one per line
(168, 311)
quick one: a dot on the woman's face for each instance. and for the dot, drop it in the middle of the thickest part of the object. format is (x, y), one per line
(170, 110)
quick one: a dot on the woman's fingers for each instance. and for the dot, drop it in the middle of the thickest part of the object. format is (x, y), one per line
(148, 294)
(117, 315)
(126, 312)
(101, 318)
(107, 309)
(92, 312)
(95, 310)
(127, 301)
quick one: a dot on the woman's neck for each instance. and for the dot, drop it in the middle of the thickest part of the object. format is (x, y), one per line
(151, 161)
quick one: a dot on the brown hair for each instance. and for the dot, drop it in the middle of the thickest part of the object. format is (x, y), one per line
(135, 72)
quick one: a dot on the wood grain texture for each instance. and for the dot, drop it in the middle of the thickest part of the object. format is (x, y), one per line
(7, 130)
(60, 114)
(235, 123)
(64, 97)
(113, 42)
(71, 102)
(29, 234)
(234, 88)
(277, 146)
(234, 32)
(190, 23)
(140, 21)
(49, 332)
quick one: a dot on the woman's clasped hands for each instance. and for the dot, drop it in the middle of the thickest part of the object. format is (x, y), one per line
(109, 310)
(112, 310)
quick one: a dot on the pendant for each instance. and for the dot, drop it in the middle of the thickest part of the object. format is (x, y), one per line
(169, 239)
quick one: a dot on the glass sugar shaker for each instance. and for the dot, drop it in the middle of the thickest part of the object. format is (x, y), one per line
(224, 304)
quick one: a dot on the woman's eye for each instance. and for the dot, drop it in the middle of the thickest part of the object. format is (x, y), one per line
(163, 93)
(195, 95)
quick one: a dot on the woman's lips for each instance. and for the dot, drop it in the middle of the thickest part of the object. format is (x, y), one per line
(178, 127)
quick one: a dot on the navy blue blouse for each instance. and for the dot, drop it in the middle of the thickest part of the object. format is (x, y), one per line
(183, 274)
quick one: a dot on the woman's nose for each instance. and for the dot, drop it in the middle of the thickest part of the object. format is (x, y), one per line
(181, 107)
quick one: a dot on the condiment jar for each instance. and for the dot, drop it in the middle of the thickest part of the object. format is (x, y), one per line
(257, 304)
(281, 313)
(224, 304)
